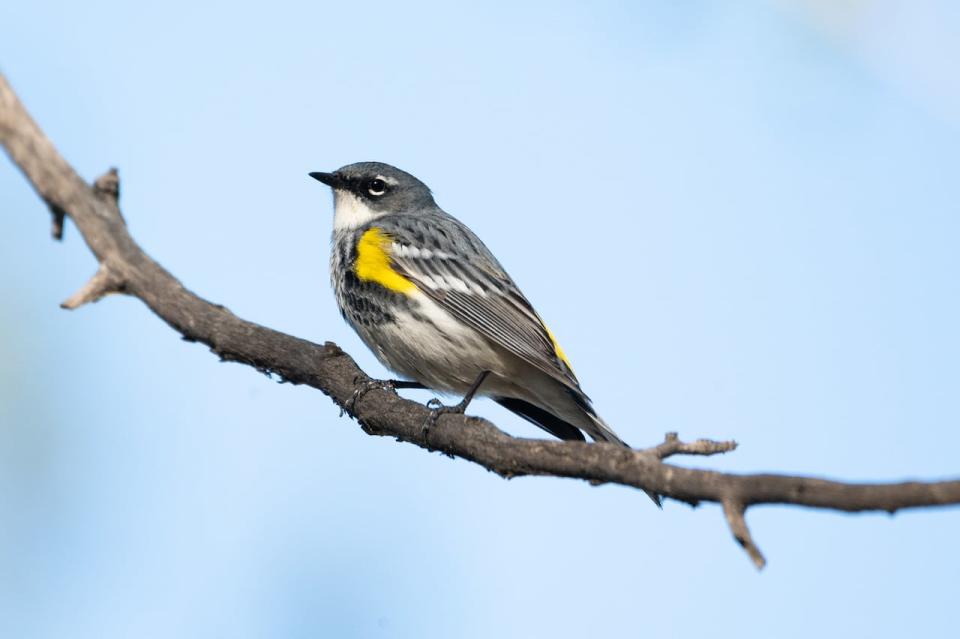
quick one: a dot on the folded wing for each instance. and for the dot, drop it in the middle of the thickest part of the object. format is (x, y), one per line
(462, 277)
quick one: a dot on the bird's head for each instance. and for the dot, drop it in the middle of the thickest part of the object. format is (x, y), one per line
(367, 190)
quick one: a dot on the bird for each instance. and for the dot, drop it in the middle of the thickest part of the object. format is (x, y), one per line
(435, 306)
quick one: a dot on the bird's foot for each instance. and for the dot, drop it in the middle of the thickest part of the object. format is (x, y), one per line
(369, 385)
(362, 389)
(437, 408)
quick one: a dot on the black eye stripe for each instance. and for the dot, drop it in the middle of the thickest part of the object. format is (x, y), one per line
(375, 187)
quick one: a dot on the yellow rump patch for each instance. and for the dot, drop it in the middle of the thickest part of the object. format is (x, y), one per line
(373, 262)
(556, 347)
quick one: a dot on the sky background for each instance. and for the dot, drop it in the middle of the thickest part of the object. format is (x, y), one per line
(740, 219)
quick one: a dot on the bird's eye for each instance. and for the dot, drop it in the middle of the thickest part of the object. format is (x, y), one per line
(376, 187)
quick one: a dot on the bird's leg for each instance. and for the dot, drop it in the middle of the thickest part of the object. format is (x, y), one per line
(383, 384)
(437, 409)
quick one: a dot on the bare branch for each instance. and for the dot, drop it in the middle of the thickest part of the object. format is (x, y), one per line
(734, 511)
(103, 282)
(125, 266)
(673, 446)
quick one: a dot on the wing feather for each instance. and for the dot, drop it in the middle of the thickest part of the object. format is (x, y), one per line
(471, 285)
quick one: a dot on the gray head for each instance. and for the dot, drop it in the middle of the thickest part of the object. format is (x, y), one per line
(366, 190)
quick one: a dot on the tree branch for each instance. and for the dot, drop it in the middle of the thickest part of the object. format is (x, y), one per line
(734, 512)
(125, 267)
(673, 446)
(103, 282)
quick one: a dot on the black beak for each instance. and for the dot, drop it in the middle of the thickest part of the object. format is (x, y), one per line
(332, 180)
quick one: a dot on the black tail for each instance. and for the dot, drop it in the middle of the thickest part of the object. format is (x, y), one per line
(547, 421)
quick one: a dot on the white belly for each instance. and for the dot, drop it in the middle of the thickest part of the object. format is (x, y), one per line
(429, 345)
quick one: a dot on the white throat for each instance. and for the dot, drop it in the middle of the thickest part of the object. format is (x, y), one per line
(350, 212)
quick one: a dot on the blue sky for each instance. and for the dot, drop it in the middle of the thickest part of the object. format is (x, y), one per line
(740, 219)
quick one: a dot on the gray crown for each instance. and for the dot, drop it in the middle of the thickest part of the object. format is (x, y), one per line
(381, 186)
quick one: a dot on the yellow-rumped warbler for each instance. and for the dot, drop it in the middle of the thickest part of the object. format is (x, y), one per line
(436, 307)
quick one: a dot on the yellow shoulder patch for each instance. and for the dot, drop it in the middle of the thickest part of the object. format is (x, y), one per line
(373, 262)
(556, 347)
